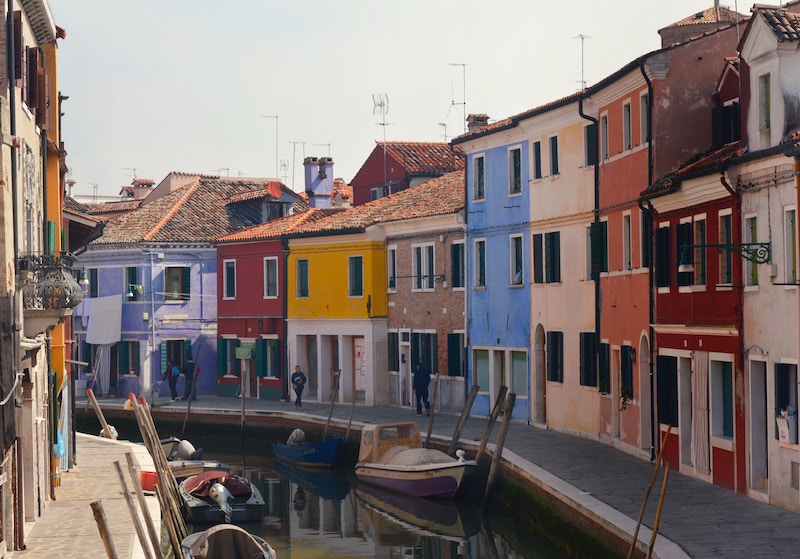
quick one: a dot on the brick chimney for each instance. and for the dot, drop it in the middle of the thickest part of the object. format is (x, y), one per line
(477, 121)
(319, 181)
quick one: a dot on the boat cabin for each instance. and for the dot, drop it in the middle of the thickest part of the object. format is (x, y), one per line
(376, 440)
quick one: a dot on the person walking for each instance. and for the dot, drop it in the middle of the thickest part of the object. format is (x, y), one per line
(172, 373)
(189, 390)
(298, 383)
(420, 386)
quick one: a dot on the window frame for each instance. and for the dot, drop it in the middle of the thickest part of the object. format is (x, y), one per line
(627, 242)
(536, 160)
(516, 261)
(458, 279)
(228, 279)
(750, 234)
(790, 244)
(131, 279)
(355, 275)
(267, 273)
(554, 355)
(478, 178)
(180, 296)
(764, 102)
(644, 117)
(552, 144)
(627, 126)
(699, 256)
(302, 280)
(423, 264)
(515, 171)
(604, 148)
(391, 263)
(725, 236)
(479, 263)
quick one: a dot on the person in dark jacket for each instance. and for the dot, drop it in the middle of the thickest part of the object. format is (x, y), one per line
(171, 374)
(189, 391)
(420, 385)
(298, 383)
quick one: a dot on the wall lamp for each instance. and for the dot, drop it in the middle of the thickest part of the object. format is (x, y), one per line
(134, 289)
(758, 253)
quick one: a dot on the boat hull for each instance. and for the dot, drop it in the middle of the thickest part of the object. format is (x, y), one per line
(200, 508)
(433, 480)
(324, 454)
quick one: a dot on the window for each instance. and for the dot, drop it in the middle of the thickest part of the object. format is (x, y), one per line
(588, 365)
(229, 279)
(128, 357)
(537, 160)
(519, 373)
(478, 192)
(132, 287)
(627, 131)
(683, 240)
(480, 263)
(725, 257)
(391, 258)
(422, 267)
(227, 364)
(604, 369)
(377, 192)
(547, 257)
(553, 155)
(515, 171)
(662, 265)
(268, 357)
(455, 355)
(627, 260)
(555, 356)
(721, 378)
(699, 252)
(626, 372)
(394, 351)
(667, 389)
(604, 136)
(515, 257)
(599, 237)
(175, 352)
(270, 277)
(424, 349)
(764, 102)
(786, 394)
(93, 282)
(590, 144)
(644, 118)
(789, 243)
(302, 278)
(750, 236)
(457, 265)
(355, 276)
(177, 284)
(645, 239)
(480, 368)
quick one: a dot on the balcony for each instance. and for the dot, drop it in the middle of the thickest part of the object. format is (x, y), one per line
(49, 290)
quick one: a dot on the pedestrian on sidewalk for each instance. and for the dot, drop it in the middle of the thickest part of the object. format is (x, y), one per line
(171, 374)
(298, 383)
(189, 390)
(420, 386)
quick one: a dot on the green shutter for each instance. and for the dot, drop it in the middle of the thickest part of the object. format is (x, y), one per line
(222, 357)
(123, 358)
(454, 355)
(164, 356)
(599, 236)
(605, 369)
(275, 355)
(186, 283)
(538, 259)
(394, 351)
(626, 356)
(51, 236)
(261, 357)
(237, 363)
(588, 353)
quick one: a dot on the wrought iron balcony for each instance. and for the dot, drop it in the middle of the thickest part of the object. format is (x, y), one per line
(49, 290)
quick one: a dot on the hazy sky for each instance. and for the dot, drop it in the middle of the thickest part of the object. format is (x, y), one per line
(181, 85)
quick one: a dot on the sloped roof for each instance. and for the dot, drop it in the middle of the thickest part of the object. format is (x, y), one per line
(197, 212)
(709, 15)
(106, 208)
(440, 196)
(71, 203)
(785, 25)
(424, 158)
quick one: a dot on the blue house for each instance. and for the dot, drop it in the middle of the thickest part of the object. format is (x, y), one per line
(152, 282)
(497, 256)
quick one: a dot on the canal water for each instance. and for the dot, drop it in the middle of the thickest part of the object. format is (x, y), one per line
(322, 514)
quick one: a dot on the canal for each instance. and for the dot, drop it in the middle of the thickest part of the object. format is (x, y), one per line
(328, 514)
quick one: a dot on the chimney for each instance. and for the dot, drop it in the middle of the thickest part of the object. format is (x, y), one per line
(319, 181)
(477, 121)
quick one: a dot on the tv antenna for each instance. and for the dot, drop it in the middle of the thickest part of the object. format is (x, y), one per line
(294, 150)
(129, 169)
(219, 171)
(380, 105)
(285, 170)
(583, 40)
(329, 148)
(444, 130)
(463, 91)
(95, 192)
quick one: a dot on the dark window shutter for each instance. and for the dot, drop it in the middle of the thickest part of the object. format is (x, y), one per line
(261, 357)
(538, 259)
(186, 283)
(275, 353)
(647, 238)
(222, 357)
(591, 145)
(667, 383)
(394, 352)
(718, 126)
(237, 363)
(683, 236)
(663, 270)
(86, 355)
(123, 358)
(588, 351)
(626, 371)
(454, 355)
(599, 233)
(552, 247)
(187, 350)
(19, 47)
(555, 356)
(164, 357)
(604, 369)
(33, 78)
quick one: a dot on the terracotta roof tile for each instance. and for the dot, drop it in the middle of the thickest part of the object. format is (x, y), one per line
(425, 158)
(71, 203)
(785, 25)
(122, 206)
(709, 15)
(276, 228)
(197, 212)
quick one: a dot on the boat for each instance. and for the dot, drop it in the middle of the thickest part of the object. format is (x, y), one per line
(225, 541)
(218, 496)
(296, 451)
(180, 449)
(182, 469)
(331, 485)
(391, 457)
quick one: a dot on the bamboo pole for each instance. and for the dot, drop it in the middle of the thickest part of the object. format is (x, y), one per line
(148, 520)
(99, 412)
(498, 451)
(462, 422)
(647, 492)
(102, 526)
(333, 402)
(498, 405)
(658, 512)
(433, 410)
(137, 522)
(169, 523)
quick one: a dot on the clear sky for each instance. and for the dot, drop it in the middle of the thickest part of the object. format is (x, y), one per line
(183, 85)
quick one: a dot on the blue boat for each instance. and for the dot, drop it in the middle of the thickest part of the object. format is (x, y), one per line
(329, 484)
(327, 453)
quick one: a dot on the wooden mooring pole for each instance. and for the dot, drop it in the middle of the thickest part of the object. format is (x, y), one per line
(498, 451)
(102, 526)
(462, 421)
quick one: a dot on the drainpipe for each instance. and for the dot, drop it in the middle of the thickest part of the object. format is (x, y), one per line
(43, 149)
(284, 337)
(53, 423)
(596, 218)
(651, 303)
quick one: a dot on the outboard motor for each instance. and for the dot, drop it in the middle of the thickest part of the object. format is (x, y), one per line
(220, 494)
(187, 451)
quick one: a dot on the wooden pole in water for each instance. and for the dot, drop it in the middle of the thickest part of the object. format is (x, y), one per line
(169, 523)
(350, 422)
(498, 405)
(647, 492)
(102, 526)
(498, 451)
(658, 512)
(333, 402)
(433, 410)
(462, 422)
(148, 520)
(99, 412)
(137, 522)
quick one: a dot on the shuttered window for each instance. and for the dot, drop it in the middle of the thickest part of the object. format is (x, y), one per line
(604, 369)
(599, 236)
(555, 356)
(588, 350)
(683, 240)
(455, 355)
(667, 374)
(663, 269)
(626, 372)
(394, 351)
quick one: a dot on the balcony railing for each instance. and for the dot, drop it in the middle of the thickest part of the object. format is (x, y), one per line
(48, 281)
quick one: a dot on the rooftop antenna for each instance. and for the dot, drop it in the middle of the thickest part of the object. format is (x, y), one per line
(94, 191)
(294, 150)
(130, 169)
(380, 105)
(444, 130)
(285, 170)
(219, 171)
(583, 39)
(329, 148)
(464, 91)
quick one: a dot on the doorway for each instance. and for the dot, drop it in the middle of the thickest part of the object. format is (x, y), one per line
(759, 427)
(539, 378)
